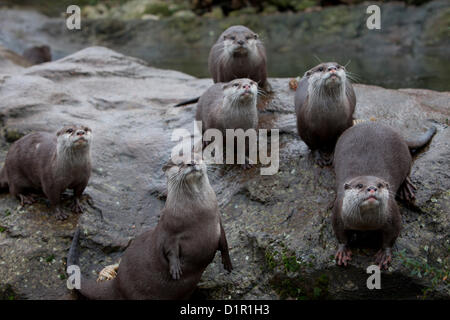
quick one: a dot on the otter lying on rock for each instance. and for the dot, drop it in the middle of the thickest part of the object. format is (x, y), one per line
(49, 163)
(372, 163)
(324, 104)
(168, 261)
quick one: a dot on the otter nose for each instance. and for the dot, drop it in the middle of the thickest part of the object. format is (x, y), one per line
(241, 42)
(246, 86)
(80, 132)
(332, 69)
(371, 189)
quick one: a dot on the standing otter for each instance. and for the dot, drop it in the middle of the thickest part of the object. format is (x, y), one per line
(51, 163)
(324, 104)
(372, 163)
(168, 261)
(238, 53)
(229, 105)
(38, 54)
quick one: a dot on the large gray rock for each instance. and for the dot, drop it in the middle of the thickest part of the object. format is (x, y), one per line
(278, 226)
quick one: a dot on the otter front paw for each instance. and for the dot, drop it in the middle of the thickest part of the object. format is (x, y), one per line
(383, 258)
(175, 271)
(29, 199)
(343, 255)
(60, 215)
(323, 159)
(108, 273)
(77, 207)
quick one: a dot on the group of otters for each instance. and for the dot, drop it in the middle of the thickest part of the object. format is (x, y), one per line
(371, 162)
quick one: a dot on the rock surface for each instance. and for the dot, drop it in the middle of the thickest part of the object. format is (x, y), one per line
(278, 226)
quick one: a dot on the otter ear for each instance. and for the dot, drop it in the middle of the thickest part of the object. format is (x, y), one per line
(308, 73)
(256, 36)
(346, 186)
(167, 166)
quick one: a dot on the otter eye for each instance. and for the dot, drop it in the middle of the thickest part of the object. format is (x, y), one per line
(380, 185)
(233, 38)
(87, 129)
(69, 130)
(236, 85)
(359, 186)
(320, 69)
(338, 67)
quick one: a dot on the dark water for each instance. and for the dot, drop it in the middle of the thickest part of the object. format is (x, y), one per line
(153, 43)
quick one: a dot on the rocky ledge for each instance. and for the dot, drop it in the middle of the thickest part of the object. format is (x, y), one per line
(278, 227)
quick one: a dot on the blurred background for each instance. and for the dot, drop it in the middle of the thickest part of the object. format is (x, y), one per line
(411, 50)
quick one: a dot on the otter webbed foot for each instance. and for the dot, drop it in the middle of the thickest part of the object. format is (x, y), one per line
(76, 206)
(323, 159)
(175, 270)
(343, 255)
(383, 258)
(407, 190)
(60, 215)
(26, 199)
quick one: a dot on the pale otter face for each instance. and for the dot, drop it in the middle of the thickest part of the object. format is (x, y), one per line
(242, 90)
(74, 137)
(365, 199)
(329, 75)
(238, 42)
(190, 172)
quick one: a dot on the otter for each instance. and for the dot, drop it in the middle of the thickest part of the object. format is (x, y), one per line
(38, 54)
(49, 163)
(324, 105)
(238, 53)
(372, 163)
(167, 262)
(229, 105)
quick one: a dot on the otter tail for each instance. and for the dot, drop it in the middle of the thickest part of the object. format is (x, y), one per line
(422, 140)
(183, 103)
(90, 289)
(3, 179)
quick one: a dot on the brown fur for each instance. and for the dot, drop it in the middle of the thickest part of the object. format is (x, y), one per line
(321, 121)
(38, 54)
(233, 66)
(374, 155)
(33, 163)
(168, 261)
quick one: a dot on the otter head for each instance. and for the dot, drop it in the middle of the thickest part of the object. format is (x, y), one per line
(187, 176)
(74, 138)
(365, 201)
(239, 41)
(329, 75)
(241, 91)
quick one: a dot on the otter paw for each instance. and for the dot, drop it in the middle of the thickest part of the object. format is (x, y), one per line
(343, 255)
(324, 159)
(383, 258)
(60, 215)
(108, 273)
(29, 199)
(77, 207)
(175, 271)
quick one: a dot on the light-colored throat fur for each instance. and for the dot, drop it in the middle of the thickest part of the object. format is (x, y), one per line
(356, 216)
(69, 158)
(323, 97)
(183, 195)
(238, 114)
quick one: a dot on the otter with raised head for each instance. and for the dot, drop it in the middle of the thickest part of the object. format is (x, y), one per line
(229, 105)
(372, 163)
(168, 261)
(49, 163)
(238, 53)
(324, 104)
